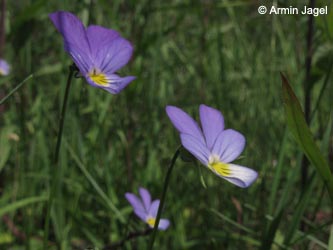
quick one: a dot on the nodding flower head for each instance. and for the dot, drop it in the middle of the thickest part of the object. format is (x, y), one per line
(214, 146)
(96, 51)
(146, 209)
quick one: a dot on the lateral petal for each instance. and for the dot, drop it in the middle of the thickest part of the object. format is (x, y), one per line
(154, 208)
(110, 51)
(195, 147)
(229, 145)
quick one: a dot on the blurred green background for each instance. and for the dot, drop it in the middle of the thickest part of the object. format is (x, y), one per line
(220, 53)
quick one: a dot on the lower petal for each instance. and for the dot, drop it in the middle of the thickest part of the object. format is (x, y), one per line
(238, 175)
(111, 83)
(163, 224)
(4, 68)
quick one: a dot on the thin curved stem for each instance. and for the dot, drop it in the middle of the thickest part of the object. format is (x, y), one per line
(55, 171)
(72, 70)
(166, 184)
(15, 89)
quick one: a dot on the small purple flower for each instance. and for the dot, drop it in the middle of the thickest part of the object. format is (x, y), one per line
(4, 68)
(212, 145)
(97, 52)
(146, 209)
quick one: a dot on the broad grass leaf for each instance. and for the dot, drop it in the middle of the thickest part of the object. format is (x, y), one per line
(303, 136)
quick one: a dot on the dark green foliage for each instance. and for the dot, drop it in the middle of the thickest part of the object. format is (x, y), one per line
(221, 53)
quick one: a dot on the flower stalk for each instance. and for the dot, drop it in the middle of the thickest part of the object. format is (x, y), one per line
(166, 184)
(55, 170)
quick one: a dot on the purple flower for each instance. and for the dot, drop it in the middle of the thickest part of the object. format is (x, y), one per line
(146, 209)
(212, 145)
(4, 68)
(97, 52)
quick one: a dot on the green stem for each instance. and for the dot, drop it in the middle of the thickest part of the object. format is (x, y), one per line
(166, 183)
(55, 170)
(63, 113)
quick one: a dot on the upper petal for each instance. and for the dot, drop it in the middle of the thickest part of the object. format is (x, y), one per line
(229, 145)
(184, 123)
(195, 147)
(146, 198)
(137, 205)
(110, 52)
(241, 176)
(75, 39)
(212, 123)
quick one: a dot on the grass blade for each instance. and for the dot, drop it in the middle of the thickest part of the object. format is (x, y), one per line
(297, 124)
(15, 89)
(95, 184)
(270, 235)
(299, 211)
(330, 242)
(21, 203)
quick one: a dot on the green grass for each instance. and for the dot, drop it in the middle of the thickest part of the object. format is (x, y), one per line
(220, 53)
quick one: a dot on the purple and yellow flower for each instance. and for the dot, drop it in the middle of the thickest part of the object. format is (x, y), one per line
(4, 68)
(146, 209)
(214, 146)
(96, 51)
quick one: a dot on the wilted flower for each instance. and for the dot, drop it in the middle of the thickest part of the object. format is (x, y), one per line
(97, 52)
(146, 209)
(212, 145)
(4, 68)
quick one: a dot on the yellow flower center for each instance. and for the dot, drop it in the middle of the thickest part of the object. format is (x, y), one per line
(98, 77)
(219, 167)
(151, 221)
